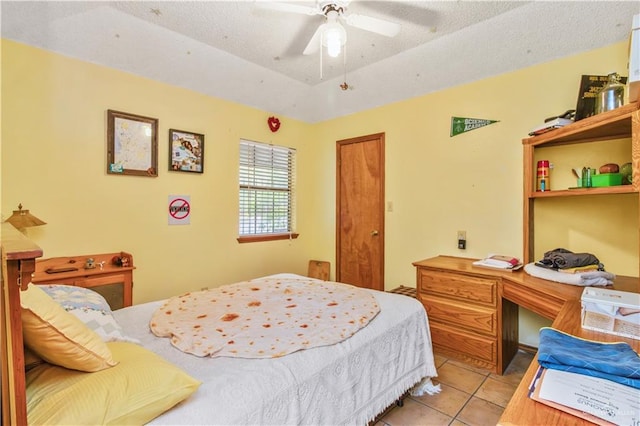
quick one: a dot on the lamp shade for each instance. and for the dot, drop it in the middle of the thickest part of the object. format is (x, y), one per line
(23, 219)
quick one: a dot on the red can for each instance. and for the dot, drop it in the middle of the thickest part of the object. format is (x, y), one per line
(543, 179)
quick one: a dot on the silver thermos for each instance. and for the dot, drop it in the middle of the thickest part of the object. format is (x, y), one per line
(611, 96)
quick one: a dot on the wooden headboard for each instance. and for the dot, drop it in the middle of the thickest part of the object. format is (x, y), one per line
(18, 263)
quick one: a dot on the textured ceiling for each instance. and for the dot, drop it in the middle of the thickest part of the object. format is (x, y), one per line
(238, 51)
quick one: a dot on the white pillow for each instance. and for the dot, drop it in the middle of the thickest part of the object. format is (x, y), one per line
(90, 308)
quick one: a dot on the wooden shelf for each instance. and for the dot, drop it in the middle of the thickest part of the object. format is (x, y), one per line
(614, 124)
(605, 190)
(620, 123)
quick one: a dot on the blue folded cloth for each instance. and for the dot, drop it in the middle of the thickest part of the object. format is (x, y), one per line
(617, 362)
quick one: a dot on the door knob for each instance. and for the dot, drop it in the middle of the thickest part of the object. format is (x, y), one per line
(374, 233)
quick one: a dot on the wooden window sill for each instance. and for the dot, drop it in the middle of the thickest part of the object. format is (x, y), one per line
(266, 237)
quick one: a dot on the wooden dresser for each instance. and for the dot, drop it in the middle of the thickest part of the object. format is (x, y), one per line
(459, 299)
(112, 281)
(468, 317)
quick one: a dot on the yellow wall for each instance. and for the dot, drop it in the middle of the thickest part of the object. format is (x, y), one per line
(54, 156)
(54, 146)
(440, 184)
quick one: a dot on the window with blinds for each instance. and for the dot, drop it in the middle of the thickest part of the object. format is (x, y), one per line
(267, 176)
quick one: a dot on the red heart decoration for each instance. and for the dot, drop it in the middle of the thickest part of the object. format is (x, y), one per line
(274, 124)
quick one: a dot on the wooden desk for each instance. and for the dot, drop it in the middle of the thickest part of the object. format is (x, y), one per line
(521, 409)
(555, 301)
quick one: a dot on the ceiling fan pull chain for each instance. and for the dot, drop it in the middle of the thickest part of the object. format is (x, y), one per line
(345, 85)
(321, 76)
(344, 62)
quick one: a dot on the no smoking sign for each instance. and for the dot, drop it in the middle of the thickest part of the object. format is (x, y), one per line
(179, 209)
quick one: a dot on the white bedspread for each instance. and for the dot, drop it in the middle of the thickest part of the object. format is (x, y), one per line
(346, 383)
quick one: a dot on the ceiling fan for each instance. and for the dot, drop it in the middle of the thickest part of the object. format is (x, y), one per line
(331, 33)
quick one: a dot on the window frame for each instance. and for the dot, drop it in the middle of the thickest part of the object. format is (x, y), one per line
(266, 150)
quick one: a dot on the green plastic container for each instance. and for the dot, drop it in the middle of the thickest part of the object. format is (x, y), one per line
(606, 179)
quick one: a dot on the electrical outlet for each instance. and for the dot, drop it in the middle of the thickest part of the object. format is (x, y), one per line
(462, 240)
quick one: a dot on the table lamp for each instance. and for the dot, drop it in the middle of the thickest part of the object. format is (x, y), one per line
(22, 219)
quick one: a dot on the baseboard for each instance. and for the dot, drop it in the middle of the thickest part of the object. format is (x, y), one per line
(527, 348)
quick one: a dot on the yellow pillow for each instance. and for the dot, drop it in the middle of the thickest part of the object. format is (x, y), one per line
(141, 387)
(31, 359)
(59, 337)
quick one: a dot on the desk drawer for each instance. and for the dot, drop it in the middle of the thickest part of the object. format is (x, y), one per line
(465, 346)
(458, 286)
(475, 318)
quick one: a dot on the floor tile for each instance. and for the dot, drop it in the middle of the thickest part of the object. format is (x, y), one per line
(479, 412)
(459, 377)
(470, 396)
(438, 360)
(449, 401)
(462, 364)
(496, 391)
(415, 413)
(515, 371)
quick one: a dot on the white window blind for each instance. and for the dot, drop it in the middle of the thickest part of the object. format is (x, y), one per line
(267, 175)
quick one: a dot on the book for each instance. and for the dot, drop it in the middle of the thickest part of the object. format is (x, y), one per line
(547, 126)
(595, 399)
(497, 261)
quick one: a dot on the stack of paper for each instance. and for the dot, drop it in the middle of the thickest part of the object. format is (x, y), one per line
(497, 261)
(595, 399)
(550, 125)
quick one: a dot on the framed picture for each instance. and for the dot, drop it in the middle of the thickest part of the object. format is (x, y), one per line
(132, 144)
(186, 151)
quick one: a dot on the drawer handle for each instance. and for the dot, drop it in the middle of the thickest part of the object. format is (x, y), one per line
(59, 270)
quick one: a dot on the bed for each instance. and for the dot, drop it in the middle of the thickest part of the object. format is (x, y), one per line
(345, 383)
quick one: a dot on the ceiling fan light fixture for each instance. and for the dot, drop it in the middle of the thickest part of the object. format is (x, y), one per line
(334, 37)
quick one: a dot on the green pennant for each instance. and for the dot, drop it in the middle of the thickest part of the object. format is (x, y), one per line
(461, 124)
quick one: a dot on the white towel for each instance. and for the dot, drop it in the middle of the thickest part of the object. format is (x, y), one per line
(596, 278)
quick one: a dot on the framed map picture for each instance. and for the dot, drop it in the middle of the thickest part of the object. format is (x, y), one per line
(186, 151)
(132, 144)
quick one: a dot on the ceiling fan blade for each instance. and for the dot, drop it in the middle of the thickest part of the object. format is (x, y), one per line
(314, 43)
(375, 25)
(287, 7)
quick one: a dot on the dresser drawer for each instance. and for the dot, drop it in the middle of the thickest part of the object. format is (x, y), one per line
(447, 311)
(466, 346)
(459, 286)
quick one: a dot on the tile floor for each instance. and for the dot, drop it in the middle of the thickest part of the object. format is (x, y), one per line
(469, 396)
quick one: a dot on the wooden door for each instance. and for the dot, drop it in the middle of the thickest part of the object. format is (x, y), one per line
(360, 211)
